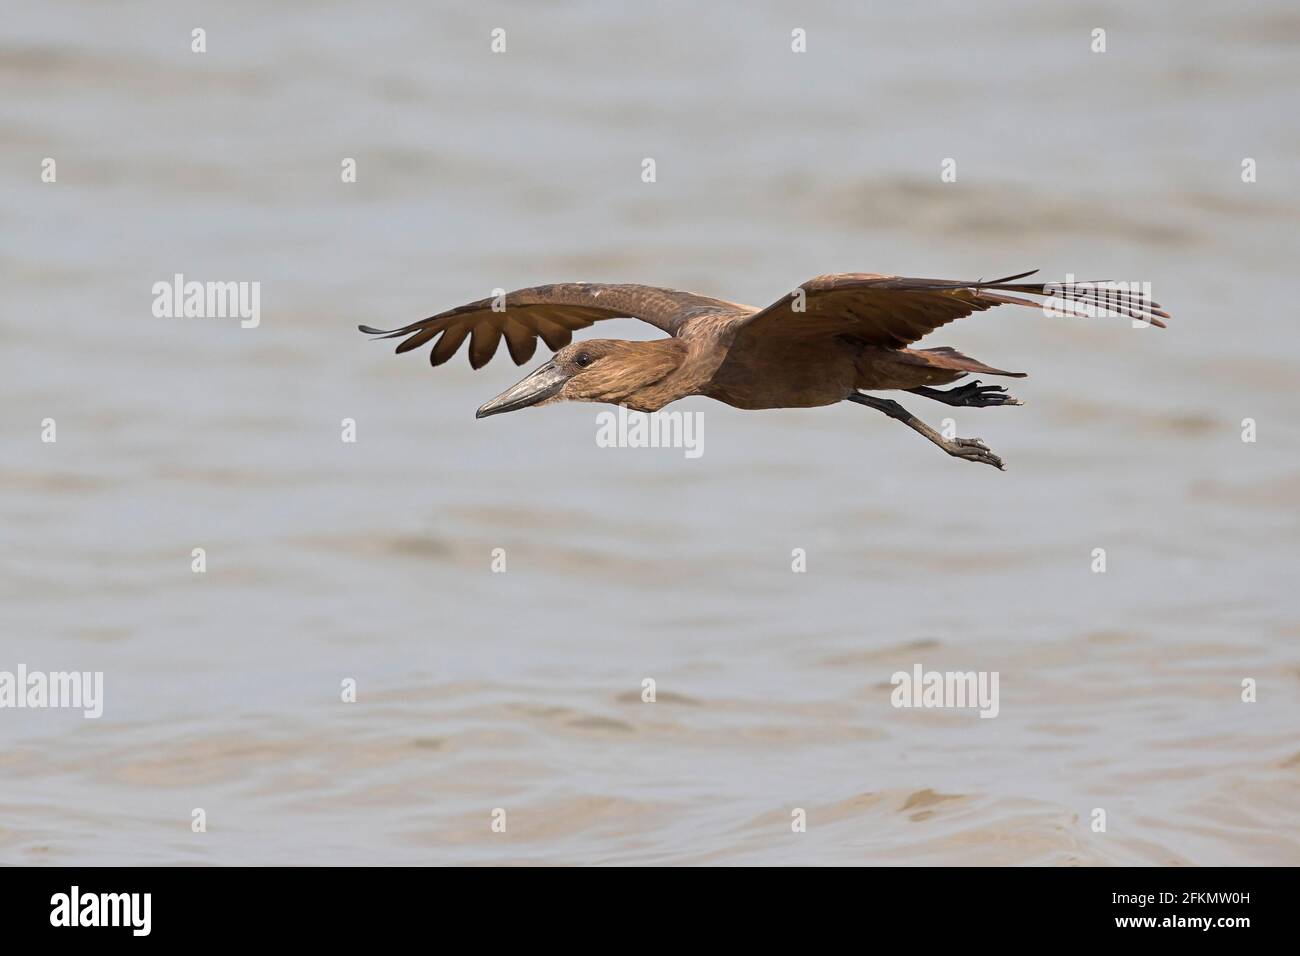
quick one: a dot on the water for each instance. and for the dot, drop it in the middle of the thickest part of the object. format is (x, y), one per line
(522, 691)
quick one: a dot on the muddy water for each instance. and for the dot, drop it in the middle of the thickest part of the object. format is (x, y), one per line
(371, 561)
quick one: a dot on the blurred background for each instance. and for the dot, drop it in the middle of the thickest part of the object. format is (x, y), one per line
(371, 560)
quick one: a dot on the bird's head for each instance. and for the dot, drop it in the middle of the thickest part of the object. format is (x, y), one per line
(598, 370)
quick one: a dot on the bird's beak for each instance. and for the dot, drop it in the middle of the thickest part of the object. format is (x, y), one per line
(540, 385)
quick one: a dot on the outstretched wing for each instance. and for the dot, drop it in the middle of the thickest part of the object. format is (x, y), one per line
(893, 312)
(551, 312)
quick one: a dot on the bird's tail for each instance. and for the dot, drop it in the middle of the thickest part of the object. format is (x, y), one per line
(952, 360)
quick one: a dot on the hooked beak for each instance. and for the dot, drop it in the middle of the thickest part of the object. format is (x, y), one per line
(542, 384)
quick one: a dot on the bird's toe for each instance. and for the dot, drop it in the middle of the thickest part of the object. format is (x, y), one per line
(974, 449)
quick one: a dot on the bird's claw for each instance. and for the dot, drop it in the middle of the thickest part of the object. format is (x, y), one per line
(974, 449)
(974, 395)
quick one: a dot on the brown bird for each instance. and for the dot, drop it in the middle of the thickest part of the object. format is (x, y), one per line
(833, 338)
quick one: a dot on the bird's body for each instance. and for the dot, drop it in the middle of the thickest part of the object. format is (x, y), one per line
(832, 339)
(827, 372)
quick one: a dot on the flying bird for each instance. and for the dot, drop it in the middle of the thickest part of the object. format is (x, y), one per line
(833, 339)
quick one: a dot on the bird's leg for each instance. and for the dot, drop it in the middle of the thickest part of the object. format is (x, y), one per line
(972, 395)
(971, 449)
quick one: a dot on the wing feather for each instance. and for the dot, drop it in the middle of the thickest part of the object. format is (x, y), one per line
(520, 340)
(894, 311)
(483, 342)
(449, 343)
(551, 312)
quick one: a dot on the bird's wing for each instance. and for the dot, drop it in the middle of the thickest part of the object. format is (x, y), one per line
(893, 312)
(551, 312)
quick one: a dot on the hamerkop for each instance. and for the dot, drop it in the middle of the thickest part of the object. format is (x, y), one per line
(830, 340)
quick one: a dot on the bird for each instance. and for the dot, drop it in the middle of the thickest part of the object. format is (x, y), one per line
(832, 339)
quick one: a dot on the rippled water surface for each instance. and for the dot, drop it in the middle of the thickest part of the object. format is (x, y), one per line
(522, 690)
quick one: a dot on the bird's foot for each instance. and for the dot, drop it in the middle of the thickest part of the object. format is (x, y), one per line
(975, 395)
(973, 449)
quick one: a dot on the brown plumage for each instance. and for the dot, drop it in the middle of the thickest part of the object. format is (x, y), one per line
(830, 340)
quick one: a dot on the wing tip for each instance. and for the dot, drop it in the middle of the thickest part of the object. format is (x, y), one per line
(1023, 275)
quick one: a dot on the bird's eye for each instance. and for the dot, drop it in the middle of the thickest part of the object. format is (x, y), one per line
(582, 360)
